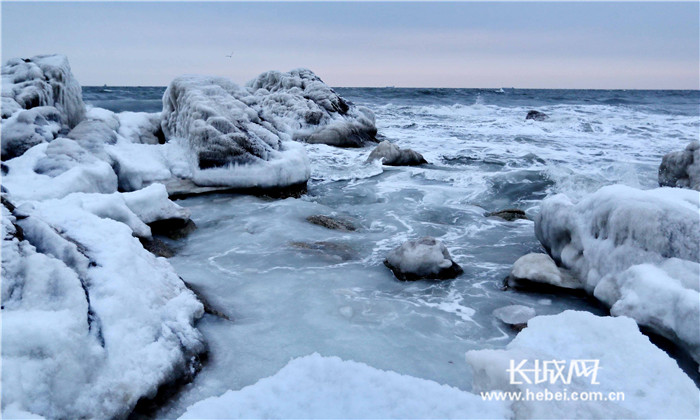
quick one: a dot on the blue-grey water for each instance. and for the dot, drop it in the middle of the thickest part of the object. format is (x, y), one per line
(287, 301)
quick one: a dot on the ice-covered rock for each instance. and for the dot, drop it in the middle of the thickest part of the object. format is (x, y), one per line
(515, 315)
(425, 258)
(391, 154)
(27, 128)
(637, 251)
(44, 80)
(301, 105)
(328, 387)
(230, 144)
(627, 362)
(681, 168)
(532, 270)
(92, 322)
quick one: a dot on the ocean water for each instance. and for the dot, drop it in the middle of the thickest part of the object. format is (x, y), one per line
(335, 296)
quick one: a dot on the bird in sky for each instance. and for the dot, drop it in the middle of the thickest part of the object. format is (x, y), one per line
(230, 55)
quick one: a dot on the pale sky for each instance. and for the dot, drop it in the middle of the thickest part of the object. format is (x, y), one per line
(469, 44)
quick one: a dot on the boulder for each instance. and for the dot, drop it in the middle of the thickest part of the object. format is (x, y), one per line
(536, 115)
(681, 168)
(333, 223)
(391, 154)
(508, 214)
(301, 105)
(425, 258)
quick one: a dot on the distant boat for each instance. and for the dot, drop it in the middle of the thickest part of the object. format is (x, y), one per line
(500, 90)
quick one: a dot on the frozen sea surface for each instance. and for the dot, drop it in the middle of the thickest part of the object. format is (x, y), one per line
(294, 288)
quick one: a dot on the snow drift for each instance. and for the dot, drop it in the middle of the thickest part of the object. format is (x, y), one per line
(328, 387)
(636, 251)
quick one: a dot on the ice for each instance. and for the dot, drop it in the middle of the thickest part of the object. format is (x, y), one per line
(300, 104)
(681, 168)
(329, 387)
(91, 321)
(44, 80)
(514, 314)
(390, 154)
(151, 204)
(653, 384)
(141, 127)
(423, 258)
(637, 251)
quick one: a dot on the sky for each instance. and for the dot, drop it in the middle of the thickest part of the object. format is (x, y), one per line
(593, 45)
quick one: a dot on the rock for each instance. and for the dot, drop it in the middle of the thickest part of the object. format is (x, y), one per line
(157, 247)
(425, 258)
(533, 270)
(681, 168)
(331, 250)
(508, 214)
(391, 154)
(173, 228)
(515, 315)
(332, 223)
(536, 115)
(300, 104)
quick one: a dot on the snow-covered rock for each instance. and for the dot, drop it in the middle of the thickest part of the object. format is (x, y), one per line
(534, 269)
(653, 384)
(301, 105)
(516, 315)
(391, 154)
(425, 258)
(681, 168)
(229, 143)
(92, 322)
(327, 387)
(637, 251)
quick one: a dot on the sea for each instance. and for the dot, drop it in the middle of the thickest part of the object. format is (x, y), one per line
(292, 288)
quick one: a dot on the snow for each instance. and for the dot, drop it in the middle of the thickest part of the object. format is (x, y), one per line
(681, 168)
(151, 204)
(540, 268)
(328, 387)
(637, 251)
(91, 321)
(391, 154)
(423, 258)
(653, 384)
(514, 314)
